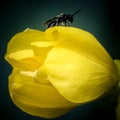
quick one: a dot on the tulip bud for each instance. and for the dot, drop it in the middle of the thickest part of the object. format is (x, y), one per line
(57, 70)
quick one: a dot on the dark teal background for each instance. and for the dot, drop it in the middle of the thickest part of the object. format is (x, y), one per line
(97, 17)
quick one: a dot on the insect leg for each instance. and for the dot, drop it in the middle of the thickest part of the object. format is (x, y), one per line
(53, 23)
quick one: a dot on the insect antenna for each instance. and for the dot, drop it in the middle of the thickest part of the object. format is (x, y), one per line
(76, 12)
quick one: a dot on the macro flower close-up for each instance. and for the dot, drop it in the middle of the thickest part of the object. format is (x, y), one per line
(57, 70)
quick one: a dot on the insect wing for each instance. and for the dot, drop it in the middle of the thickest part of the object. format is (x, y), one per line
(50, 20)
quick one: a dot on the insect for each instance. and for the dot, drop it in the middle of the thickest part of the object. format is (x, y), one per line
(61, 19)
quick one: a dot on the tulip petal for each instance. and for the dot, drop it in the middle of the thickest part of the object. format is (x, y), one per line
(41, 48)
(22, 53)
(80, 41)
(43, 112)
(25, 60)
(34, 98)
(23, 40)
(79, 67)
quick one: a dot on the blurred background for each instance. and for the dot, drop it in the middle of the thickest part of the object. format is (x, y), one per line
(97, 16)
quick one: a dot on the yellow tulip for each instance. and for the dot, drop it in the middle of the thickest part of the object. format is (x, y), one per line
(57, 70)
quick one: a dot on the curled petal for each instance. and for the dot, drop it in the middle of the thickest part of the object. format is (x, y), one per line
(23, 40)
(23, 54)
(79, 67)
(25, 60)
(35, 98)
(80, 41)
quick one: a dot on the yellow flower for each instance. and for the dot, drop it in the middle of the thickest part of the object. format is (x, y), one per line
(57, 70)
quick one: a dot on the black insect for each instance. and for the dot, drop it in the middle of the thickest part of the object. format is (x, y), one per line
(61, 19)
